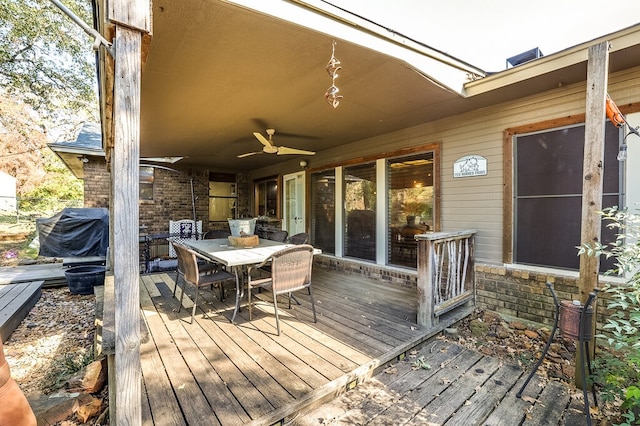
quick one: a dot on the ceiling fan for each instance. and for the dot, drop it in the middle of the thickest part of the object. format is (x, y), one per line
(270, 148)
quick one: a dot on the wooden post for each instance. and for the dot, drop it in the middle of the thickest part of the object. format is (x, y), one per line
(425, 283)
(593, 170)
(126, 269)
(132, 19)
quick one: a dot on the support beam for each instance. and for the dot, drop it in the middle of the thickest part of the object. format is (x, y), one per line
(597, 80)
(593, 172)
(125, 178)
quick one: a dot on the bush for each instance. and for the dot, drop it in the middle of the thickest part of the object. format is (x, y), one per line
(617, 372)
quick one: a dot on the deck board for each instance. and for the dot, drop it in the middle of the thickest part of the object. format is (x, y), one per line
(193, 403)
(16, 300)
(216, 372)
(51, 273)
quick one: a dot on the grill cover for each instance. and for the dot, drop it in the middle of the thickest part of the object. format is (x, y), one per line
(74, 232)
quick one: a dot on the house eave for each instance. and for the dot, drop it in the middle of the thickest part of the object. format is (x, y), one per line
(438, 67)
(575, 56)
(73, 157)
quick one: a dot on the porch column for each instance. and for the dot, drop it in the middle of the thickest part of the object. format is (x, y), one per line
(593, 168)
(131, 19)
(593, 171)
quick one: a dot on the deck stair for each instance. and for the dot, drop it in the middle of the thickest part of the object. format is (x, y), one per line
(16, 300)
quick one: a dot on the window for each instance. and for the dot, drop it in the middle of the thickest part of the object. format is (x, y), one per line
(360, 211)
(266, 197)
(548, 195)
(410, 197)
(222, 197)
(146, 183)
(322, 223)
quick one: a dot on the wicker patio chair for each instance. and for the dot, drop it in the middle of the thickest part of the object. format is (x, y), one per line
(290, 272)
(188, 269)
(301, 238)
(206, 265)
(280, 236)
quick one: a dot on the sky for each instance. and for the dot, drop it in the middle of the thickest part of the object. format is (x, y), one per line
(484, 34)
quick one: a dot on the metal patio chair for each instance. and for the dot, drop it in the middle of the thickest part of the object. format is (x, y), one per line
(188, 269)
(290, 272)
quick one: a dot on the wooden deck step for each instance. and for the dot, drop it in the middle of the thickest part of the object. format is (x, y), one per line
(16, 300)
(51, 274)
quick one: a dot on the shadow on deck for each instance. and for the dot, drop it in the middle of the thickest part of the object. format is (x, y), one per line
(215, 372)
(244, 373)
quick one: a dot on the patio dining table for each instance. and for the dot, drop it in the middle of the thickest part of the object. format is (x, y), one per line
(236, 258)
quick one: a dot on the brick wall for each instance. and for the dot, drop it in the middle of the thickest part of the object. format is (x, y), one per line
(401, 276)
(172, 200)
(524, 294)
(96, 183)
(171, 195)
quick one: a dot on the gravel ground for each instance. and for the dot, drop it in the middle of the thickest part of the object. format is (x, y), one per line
(52, 342)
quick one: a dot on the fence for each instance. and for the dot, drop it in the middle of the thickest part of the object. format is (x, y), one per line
(445, 273)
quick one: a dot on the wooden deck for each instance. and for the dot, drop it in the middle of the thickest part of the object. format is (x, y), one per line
(52, 274)
(214, 372)
(16, 300)
(462, 387)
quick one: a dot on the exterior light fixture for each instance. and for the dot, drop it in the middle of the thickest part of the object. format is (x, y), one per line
(303, 163)
(618, 120)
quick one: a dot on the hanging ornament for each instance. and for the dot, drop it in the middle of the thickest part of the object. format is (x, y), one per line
(331, 95)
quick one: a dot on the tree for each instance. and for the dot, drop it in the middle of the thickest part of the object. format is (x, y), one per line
(46, 59)
(21, 145)
(47, 86)
(25, 155)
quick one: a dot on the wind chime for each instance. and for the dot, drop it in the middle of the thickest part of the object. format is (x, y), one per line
(331, 95)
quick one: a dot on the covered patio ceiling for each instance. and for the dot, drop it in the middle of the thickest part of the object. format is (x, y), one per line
(215, 72)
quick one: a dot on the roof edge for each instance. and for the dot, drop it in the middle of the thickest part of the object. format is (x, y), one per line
(619, 40)
(447, 71)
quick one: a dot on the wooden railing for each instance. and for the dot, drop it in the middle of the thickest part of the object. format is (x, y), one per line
(445, 273)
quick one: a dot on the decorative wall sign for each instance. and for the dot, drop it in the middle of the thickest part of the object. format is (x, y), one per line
(470, 165)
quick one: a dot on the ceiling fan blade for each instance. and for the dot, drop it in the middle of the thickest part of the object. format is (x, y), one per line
(296, 135)
(249, 154)
(262, 139)
(284, 150)
(262, 124)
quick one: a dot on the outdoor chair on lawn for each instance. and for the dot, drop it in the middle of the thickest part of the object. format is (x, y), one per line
(290, 272)
(188, 269)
